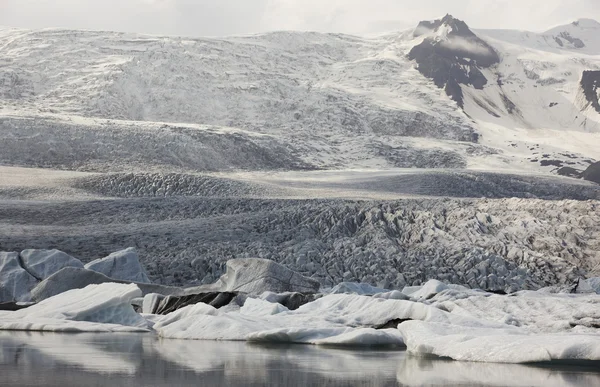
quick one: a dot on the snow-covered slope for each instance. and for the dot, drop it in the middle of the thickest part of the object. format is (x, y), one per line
(322, 100)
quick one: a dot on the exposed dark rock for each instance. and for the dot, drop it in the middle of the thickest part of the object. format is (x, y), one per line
(292, 301)
(455, 59)
(569, 172)
(578, 43)
(12, 306)
(590, 84)
(510, 106)
(216, 299)
(555, 163)
(592, 173)
(559, 41)
(392, 324)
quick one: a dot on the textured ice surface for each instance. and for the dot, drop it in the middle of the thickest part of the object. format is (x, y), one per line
(43, 263)
(104, 307)
(447, 321)
(78, 278)
(256, 276)
(122, 265)
(507, 244)
(356, 288)
(497, 345)
(15, 282)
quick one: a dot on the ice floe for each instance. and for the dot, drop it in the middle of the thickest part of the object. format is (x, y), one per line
(122, 265)
(43, 263)
(96, 308)
(497, 345)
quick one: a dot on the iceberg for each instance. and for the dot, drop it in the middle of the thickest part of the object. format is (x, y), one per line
(15, 282)
(256, 276)
(96, 308)
(122, 265)
(496, 345)
(43, 263)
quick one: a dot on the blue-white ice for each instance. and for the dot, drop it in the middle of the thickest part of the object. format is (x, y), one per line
(435, 319)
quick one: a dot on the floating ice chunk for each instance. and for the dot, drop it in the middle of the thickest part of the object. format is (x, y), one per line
(78, 278)
(105, 307)
(43, 263)
(357, 288)
(214, 326)
(256, 307)
(536, 311)
(508, 345)
(15, 282)
(337, 311)
(256, 276)
(122, 265)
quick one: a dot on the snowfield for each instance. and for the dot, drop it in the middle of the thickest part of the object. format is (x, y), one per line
(325, 101)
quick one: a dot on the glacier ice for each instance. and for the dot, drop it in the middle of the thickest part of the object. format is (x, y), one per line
(122, 265)
(357, 288)
(256, 276)
(15, 281)
(43, 263)
(496, 345)
(96, 308)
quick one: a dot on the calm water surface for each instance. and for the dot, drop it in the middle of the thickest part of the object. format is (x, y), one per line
(36, 359)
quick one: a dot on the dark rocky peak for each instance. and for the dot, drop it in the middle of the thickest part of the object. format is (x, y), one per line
(576, 42)
(590, 86)
(455, 26)
(592, 173)
(452, 55)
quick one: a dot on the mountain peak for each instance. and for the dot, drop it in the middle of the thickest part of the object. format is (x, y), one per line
(586, 23)
(449, 23)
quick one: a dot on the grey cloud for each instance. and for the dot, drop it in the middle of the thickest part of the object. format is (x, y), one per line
(226, 17)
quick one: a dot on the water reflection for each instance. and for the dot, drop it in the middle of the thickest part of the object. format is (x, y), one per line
(36, 359)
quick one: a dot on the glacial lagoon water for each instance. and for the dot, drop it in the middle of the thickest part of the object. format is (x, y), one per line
(47, 359)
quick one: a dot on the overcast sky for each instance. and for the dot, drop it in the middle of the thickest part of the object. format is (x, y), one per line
(228, 17)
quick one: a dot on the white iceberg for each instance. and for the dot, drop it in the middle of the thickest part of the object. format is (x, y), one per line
(43, 263)
(122, 265)
(96, 308)
(509, 345)
(15, 282)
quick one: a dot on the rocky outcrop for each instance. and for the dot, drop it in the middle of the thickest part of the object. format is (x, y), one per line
(592, 173)
(452, 55)
(590, 86)
(122, 265)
